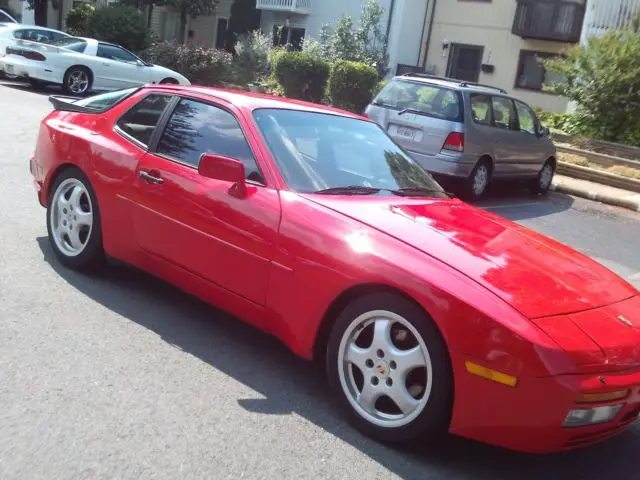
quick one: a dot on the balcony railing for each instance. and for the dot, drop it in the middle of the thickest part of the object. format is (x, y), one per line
(554, 20)
(295, 6)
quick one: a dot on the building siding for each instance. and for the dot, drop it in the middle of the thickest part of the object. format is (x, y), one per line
(488, 24)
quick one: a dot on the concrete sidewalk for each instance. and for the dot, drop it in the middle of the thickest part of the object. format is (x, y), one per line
(597, 192)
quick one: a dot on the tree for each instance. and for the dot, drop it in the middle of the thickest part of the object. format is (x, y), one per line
(193, 9)
(603, 79)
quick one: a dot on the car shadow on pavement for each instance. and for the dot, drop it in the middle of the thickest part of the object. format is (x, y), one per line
(25, 87)
(291, 385)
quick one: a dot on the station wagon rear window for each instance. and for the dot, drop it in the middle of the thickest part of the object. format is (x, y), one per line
(421, 98)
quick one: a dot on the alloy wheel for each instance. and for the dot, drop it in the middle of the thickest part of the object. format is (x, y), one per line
(71, 217)
(480, 180)
(78, 81)
(546, 175)
(385, 369)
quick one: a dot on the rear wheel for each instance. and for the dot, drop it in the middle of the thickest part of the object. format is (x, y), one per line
(389, 369)
(478, 181)
(77, 80)
(73, 221)
(542, 182)
(36, 84)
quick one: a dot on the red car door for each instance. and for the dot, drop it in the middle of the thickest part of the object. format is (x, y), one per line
(193, 221)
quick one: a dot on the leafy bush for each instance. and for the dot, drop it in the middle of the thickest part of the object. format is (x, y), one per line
(367, 43)
(77, 19)
(203, 66)
(301, 76)
(119, 24)
(251, 57)
(602, 79)
(352, 84)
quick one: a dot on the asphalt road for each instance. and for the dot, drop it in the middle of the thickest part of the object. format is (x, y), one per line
(122, 376)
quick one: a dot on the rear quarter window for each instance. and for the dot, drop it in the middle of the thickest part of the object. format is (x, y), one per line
(422, 98)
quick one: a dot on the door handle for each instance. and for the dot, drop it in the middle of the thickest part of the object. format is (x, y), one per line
(150, 178)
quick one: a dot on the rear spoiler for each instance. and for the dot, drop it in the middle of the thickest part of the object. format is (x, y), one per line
(67, 104)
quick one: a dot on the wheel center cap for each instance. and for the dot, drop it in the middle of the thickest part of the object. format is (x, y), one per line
(382, 368)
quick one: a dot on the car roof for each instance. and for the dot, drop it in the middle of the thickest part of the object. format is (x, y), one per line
(451, 83)
(23, 26)
(252, 101)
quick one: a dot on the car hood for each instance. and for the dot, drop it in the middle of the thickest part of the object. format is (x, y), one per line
(536, 275)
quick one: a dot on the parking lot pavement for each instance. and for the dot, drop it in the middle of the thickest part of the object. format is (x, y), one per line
(122, 376)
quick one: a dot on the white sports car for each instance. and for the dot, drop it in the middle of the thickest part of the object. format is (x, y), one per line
(83, 64)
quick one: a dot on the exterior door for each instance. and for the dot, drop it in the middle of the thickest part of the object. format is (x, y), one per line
(117, 68)
(529, 143)
(465, 62)
(221, 34)
(506, 136)
(193, 221)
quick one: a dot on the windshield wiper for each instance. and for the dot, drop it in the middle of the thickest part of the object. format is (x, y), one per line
(420, 191)
(410, 110)
(349, 190)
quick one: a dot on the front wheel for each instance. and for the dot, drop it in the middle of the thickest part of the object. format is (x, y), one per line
(540, 185)
(73, 221)
(389, 369)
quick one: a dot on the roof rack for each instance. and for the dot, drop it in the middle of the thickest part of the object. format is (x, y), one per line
(462, 83)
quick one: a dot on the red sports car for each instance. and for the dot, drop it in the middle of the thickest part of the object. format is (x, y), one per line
(311, 224)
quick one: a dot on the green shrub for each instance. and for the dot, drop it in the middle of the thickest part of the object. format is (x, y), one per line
(301, 76)
(251, 57)
(352, 84)
(119, 24)
(602, 79)
(77, 19)
(203, 66)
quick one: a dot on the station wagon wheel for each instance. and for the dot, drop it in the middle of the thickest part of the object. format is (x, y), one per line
(543, 181)
(77, 80)
(73, 221)
(389, 369)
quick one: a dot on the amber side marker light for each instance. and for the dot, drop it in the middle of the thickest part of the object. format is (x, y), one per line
(603, 397)
(484, 372)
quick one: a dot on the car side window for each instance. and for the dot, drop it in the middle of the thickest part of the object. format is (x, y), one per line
(481, 109)
(196, 128)
(503, 113)
(115, 53)
(526, 119)
(141, 120)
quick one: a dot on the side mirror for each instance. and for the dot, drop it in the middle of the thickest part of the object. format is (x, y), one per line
(544, 132)
(225, 169)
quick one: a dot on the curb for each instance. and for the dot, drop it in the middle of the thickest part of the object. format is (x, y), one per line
(598, 176)
(618, 201)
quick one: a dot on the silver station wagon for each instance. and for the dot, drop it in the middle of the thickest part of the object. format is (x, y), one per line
(466, 130)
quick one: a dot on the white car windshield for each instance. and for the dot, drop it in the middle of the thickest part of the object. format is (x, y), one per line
(324, 153)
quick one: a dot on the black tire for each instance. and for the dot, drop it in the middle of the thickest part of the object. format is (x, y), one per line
(92, 255)
(169, 81)
(471, 192)
(541, 184)
(433, 421)
(67, 80)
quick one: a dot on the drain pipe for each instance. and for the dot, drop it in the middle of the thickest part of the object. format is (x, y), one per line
(428, 42)
(391, 8)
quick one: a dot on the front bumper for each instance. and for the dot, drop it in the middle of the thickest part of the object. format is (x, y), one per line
(529, 417)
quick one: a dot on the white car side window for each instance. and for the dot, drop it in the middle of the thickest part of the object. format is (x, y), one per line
(115, 53)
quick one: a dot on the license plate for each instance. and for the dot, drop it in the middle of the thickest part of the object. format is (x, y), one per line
(408, 133)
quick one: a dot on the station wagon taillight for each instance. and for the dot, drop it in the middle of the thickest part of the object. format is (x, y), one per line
(454, 142)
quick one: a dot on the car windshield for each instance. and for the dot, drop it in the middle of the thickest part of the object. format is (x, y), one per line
(422, 98)
(318, 152)
(71, 43)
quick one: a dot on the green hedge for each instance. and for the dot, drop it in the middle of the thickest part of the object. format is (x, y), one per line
(119, 24)
(352, 85)
(301, 76)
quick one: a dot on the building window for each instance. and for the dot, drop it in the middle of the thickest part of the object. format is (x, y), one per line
(288, 36)
(531, 72)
